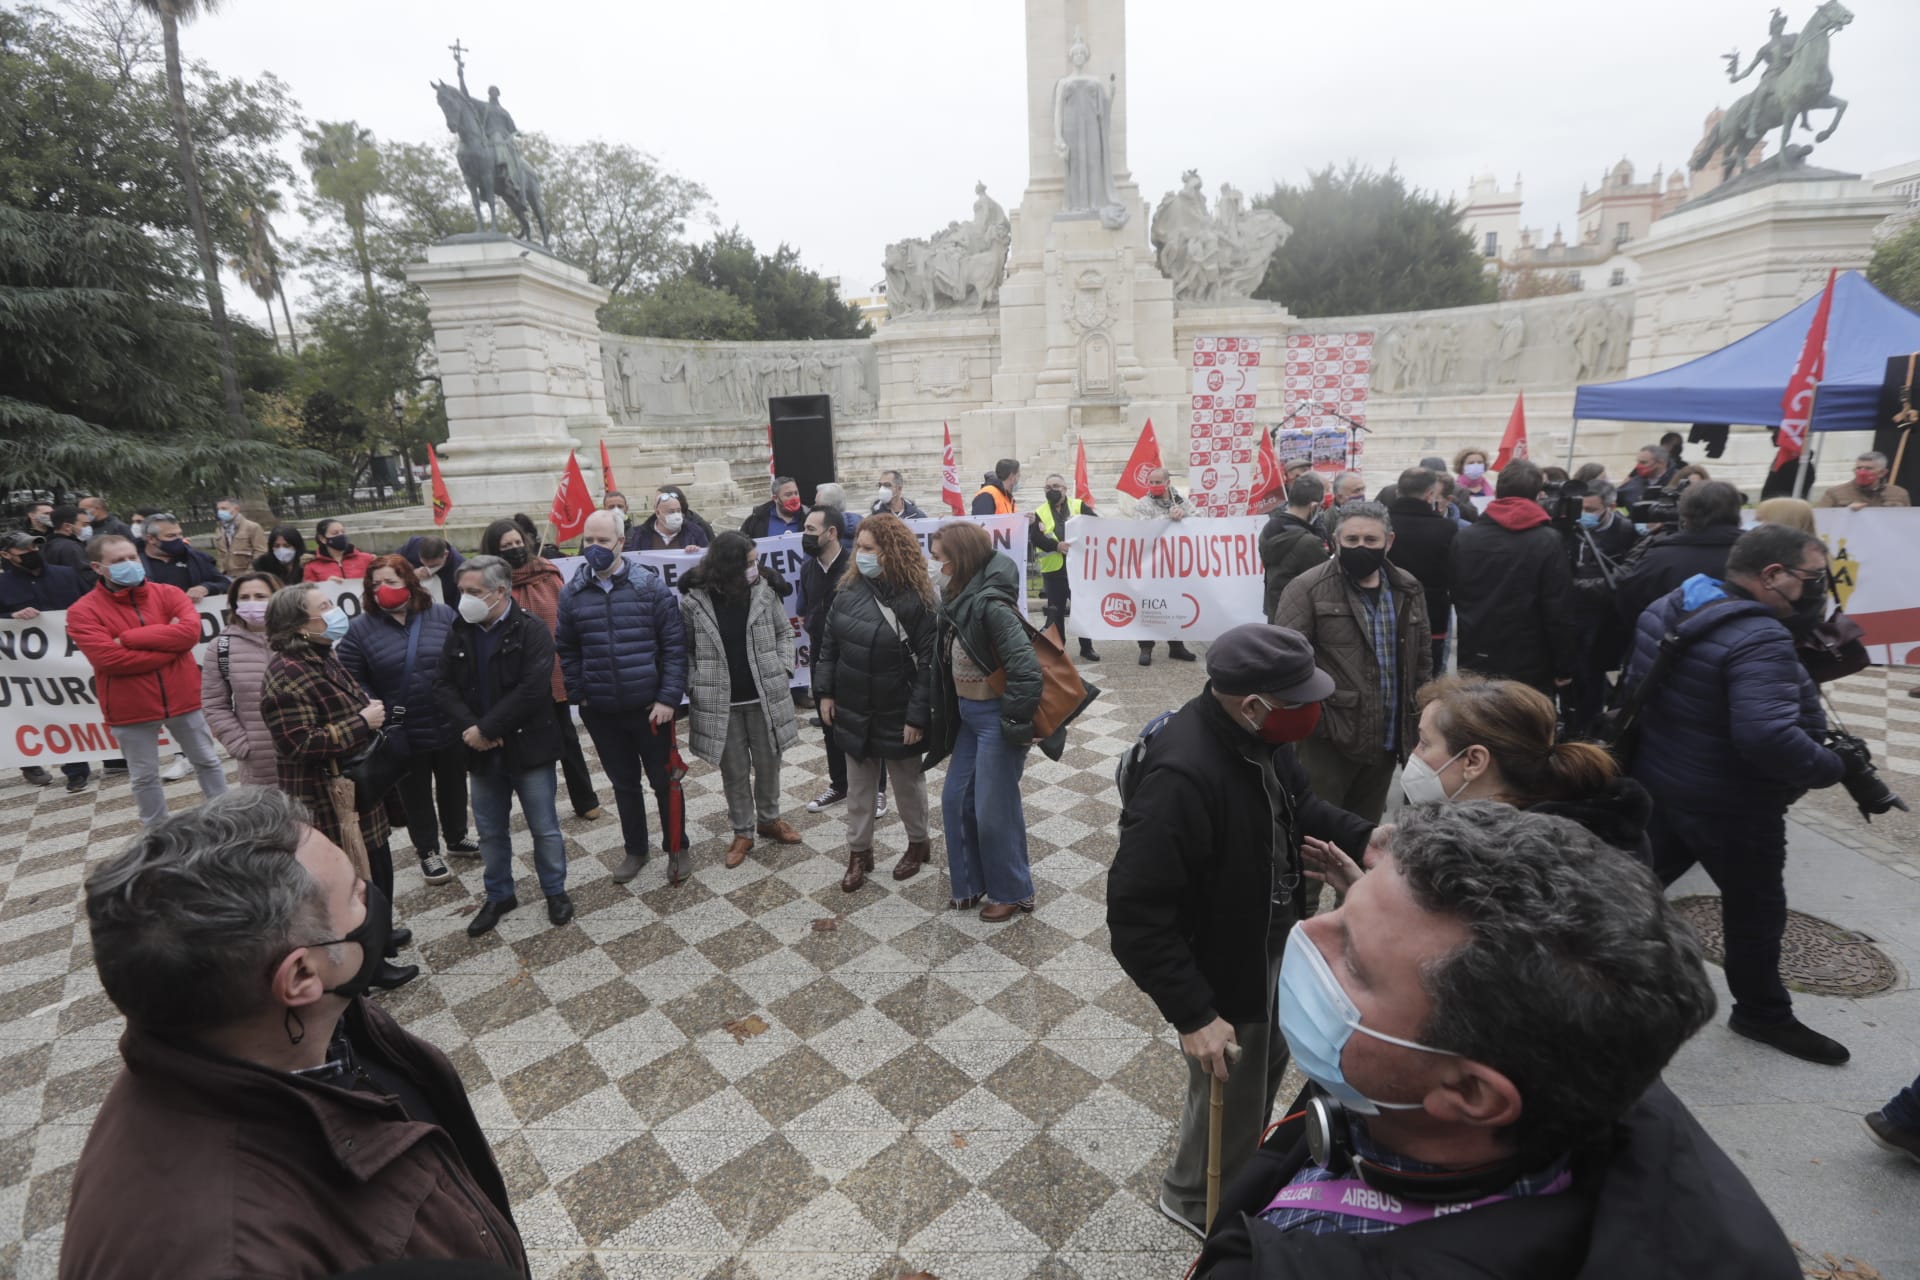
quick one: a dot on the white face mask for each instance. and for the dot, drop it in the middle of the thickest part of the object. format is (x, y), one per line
(1421, 781)
(672, 521)
(283, 554)
(84, 532)
(475, 609)
(886, 493)
(138, 529)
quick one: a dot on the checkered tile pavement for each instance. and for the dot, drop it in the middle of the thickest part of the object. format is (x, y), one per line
(929, 1093)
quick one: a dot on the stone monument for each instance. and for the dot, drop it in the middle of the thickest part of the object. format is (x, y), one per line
(489, 154)
(1214, 257)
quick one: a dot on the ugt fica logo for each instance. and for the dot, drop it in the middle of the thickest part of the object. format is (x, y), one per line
(1117, 610)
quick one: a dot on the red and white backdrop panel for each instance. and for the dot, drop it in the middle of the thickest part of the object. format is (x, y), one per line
(1325, 377)
(1224, 432)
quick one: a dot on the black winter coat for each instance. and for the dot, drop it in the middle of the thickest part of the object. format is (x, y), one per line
(1654, 1199)
(1190, 896)
(878, 688)
(374, 653)
(1617, 814)
(1668, 560)
(817, 588)
(1514, 594)
(1423, 546)
(53, 588)
(197, 570)
(1289, 546)
(519, 693)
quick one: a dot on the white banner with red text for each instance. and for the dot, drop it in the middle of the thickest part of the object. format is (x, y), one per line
(1186, 579)
(50, 714)
(1871, 554)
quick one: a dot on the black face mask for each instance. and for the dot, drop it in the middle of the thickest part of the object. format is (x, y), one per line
(175, 547)
(372, 937)
(1056, 496)
(339, 542)
(31, 561)
(1362, 562)
(810, 543)
(516, 556)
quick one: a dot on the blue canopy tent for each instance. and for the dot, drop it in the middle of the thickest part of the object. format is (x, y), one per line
(1745, 381)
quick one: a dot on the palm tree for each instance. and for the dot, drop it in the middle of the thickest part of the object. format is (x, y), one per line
(259, 266)
(171, 14)
(346, 170)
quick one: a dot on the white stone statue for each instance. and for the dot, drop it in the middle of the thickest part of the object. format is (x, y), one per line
(1217, 257)
(960, 268)
(1083, 137)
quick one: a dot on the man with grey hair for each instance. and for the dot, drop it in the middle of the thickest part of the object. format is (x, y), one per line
(1653, 467)
(1366, 619)
(1868, 488)
(171, 558)
(830, 494)
(1483, 1023)
(496, 686)
(1162, 502)
(892, 497)
(270, 1120)
(1349, 486)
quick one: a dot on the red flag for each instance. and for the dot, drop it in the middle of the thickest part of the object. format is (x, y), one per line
(1269, 478)
(1796, 406)
(950, 475)
(442, 502)
(572, 504)
(1082, 489)
(1146, 457)
(1514, 443)
(606, 471)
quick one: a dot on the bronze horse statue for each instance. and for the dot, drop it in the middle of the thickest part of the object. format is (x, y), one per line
(1805, 85)
(493, 172)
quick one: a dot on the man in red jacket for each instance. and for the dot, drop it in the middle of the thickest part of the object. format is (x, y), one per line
(140, 638)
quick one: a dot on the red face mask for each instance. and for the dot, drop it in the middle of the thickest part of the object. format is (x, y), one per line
(790, 505)
(390, 597)
(1864, 478)
(1157, 490)
(1288, 724)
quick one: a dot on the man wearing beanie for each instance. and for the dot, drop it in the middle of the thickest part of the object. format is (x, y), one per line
(1207, 882)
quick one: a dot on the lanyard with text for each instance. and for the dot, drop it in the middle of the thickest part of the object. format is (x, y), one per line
(1355, 1199)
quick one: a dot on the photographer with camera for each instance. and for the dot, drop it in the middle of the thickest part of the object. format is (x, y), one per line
(1598, 541)
(1653, 469)
(1709, 516)
(1728, 738)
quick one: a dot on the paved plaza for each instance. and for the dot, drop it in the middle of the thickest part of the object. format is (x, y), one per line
(756, 1075)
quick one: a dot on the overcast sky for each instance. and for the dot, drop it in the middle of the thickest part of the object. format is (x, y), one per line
(839, 125)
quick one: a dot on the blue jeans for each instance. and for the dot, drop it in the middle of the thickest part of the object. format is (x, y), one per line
(493, 794)
(980, 810)
(1904, 1108)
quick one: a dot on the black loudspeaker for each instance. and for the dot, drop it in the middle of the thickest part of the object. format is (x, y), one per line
(802, 440)
(1899, 393)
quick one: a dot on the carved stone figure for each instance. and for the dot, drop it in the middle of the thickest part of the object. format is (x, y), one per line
(1083, 136)
(1588, 337)
(1218, 257)
(628, 367)
(1797, 80)
(489, 154)
(960, 268)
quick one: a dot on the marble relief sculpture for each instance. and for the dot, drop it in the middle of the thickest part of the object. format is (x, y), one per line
(1083, 137)
(1220, 256)
(960, 268)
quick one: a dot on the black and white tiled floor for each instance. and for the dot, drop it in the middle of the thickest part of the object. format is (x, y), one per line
(754, 1075)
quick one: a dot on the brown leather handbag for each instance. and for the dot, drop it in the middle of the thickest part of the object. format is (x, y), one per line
(1064, 692)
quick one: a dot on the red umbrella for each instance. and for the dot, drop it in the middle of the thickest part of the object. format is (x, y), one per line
(673, 810)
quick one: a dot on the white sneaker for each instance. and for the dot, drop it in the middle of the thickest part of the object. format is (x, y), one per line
(1180, 1219)
(180, 768)
(880, 805)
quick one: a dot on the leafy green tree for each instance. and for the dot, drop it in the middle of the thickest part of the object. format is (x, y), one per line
(1532, 282)
(345, 162)
(1363, 242)
(1894, 268)
(783, 298)
(614, 211)
(682, 308)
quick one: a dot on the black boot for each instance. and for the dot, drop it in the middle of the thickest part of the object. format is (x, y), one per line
(1086, 651)
(1146, 653)
(1179, 652)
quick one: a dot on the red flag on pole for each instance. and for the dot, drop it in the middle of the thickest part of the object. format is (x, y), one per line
(1796, 406)
(1514, 443)
(572, 504)
(950, 475)
(606, 471)
(1082, 488)
(1269, 479)
(442, 501)
(1146, 457)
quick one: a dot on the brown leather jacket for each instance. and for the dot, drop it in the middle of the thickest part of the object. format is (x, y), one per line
(1321, 606)
(210, 1167)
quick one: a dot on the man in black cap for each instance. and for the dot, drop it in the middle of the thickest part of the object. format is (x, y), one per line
(1207, 882)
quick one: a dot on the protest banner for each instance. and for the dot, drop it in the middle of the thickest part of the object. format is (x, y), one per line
(50, 713)
(1871, 554)
(1223, 435)
(1324, 387)
(1186, 579)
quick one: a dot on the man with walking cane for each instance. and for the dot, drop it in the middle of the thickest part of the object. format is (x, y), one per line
(1208, 881)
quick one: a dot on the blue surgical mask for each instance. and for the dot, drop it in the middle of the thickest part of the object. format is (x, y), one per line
(1318, 1018)
(1589, 520)
(867, 563)
(1641, 529)
(598, 558)
(225, 516)
(337, 620)
(127, 573)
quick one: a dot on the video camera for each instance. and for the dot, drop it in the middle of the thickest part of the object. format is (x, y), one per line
(1862, 781)
(1562, 499)
(1657, 505)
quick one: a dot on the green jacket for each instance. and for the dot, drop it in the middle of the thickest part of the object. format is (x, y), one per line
(985, 619)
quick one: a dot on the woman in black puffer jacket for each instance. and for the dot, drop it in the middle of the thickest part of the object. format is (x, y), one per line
(873, 678)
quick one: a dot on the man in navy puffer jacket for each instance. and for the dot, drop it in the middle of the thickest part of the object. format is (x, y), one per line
(1728, 741)
(623, 654)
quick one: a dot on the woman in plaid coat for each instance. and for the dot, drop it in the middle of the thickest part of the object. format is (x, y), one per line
(319, 716)
(740, 663)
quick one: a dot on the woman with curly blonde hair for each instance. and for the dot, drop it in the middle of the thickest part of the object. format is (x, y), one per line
(873, 679)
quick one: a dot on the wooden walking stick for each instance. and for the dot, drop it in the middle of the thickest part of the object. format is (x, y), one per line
(1217, 1104)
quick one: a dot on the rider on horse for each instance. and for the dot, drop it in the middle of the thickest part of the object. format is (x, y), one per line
(1777, 52)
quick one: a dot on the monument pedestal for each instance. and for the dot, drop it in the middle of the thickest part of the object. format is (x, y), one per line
(519, 347)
